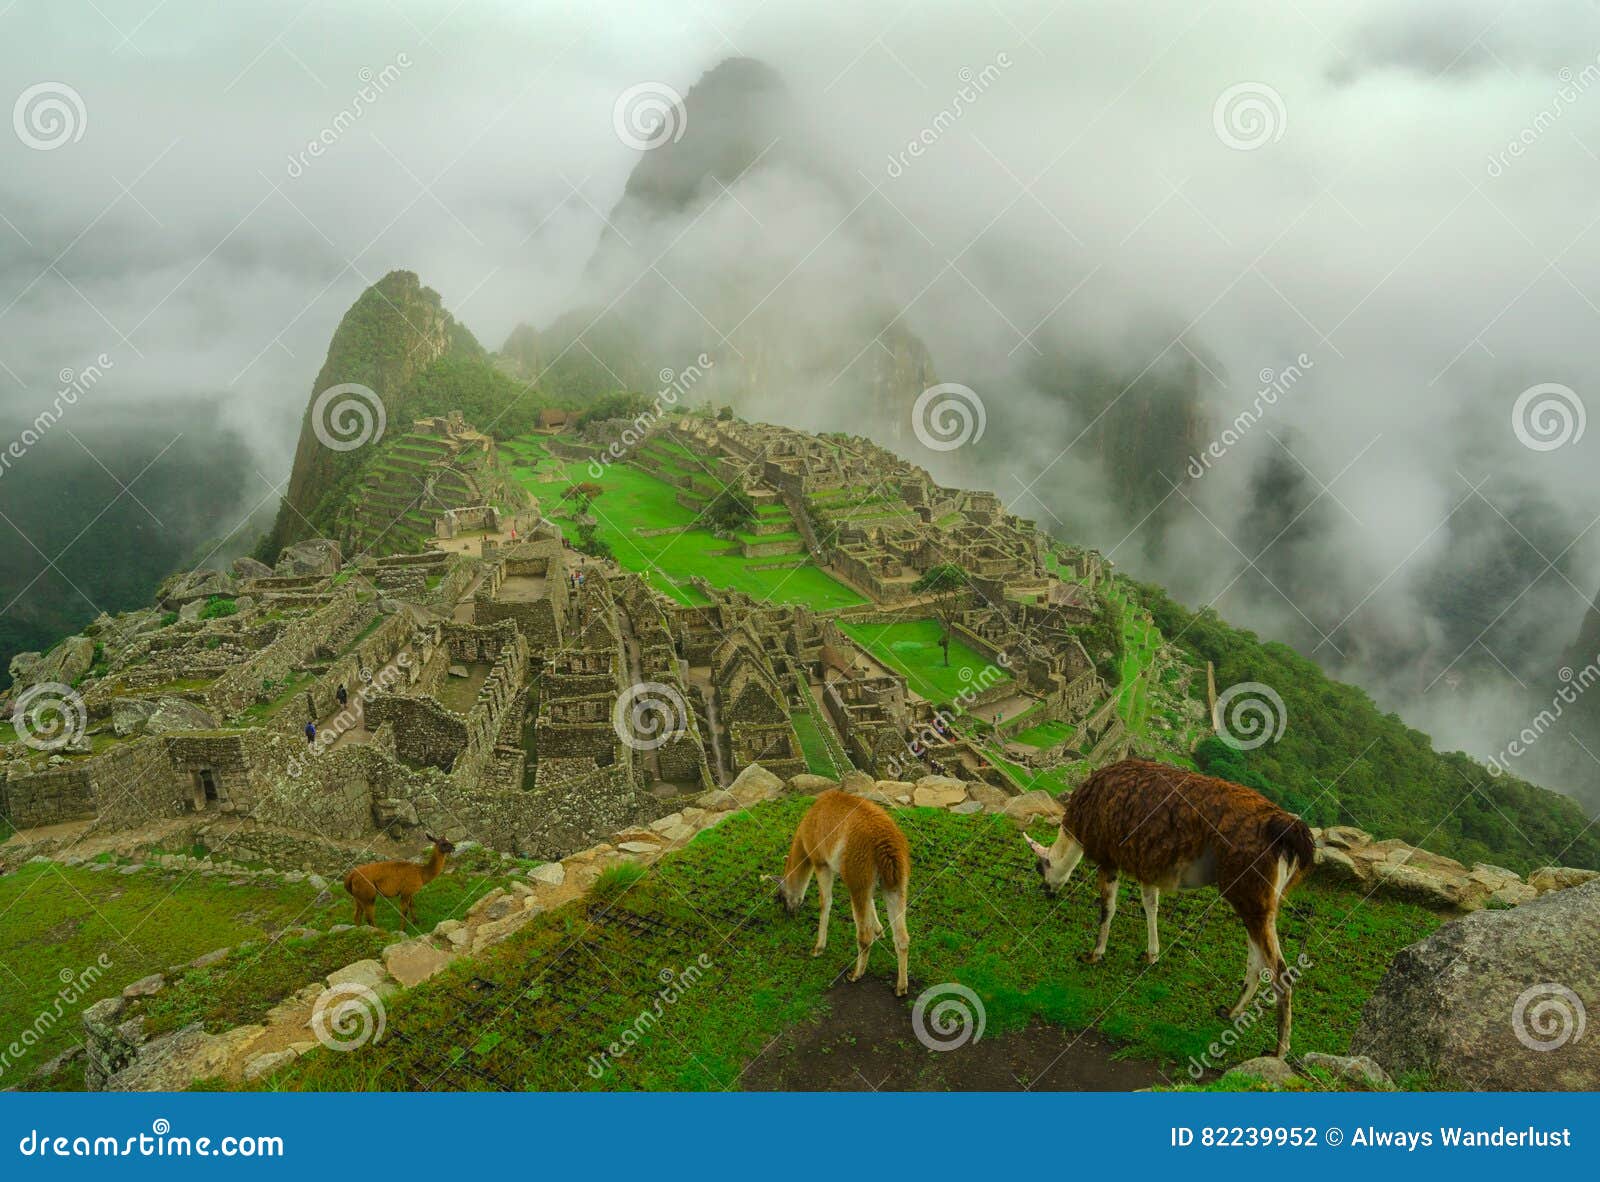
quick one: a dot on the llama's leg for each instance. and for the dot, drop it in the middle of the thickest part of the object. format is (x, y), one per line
(1254, 963)
(1282, 984)
(1107, 879)
(797, 873)
(861, 907)
(896, 901)
(1151, 897)
(825, 896)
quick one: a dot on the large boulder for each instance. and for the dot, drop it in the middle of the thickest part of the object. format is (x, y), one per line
(314, 556)
(1559, 878)
(193, 585)
(245, 568)
(176, 714)
(64, 664)
(1498, 1000)
(755, 784)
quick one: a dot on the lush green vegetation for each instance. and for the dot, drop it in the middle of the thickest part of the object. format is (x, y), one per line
(242, 987)
(146, 921)
(541, 1011)
(1342, 760)
(633, 500)
(914, 648)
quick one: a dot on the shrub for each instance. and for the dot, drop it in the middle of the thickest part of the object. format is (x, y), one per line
(218, 606)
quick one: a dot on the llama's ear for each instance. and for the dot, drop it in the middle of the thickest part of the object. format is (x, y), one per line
(1035, 846)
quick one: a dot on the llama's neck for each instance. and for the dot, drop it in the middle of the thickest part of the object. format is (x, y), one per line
(434, 864)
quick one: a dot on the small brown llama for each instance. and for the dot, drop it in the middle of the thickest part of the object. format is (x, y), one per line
(1169, 829)
(845, 836)
(400, 880)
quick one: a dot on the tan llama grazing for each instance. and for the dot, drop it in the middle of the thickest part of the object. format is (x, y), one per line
(848, 837)
(1168, 829)
(395, 880)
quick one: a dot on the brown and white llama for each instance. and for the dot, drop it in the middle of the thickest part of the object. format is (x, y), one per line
(849, 837)
(1169, 829)
(399, 880)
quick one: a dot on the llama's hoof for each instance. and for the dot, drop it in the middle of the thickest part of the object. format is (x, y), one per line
(1089, 957)
(855, 976)
(1224, 1013)
(817, 951)
(1151, 957)
(901, 991)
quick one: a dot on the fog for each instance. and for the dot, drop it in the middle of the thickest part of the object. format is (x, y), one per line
(1394, 201)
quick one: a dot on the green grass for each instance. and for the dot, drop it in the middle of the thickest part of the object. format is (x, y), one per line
(536, 1012)
(240, 989)
(1046, 734)
(57, 920)
(911, 648)
(635, 500)
(819, 759)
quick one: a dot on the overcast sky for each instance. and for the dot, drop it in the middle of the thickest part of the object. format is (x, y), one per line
(1333, 180)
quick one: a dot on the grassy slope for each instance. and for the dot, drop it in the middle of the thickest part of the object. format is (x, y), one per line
(633, 500)
(1342, 760)
(58, 920)
(531, 1013)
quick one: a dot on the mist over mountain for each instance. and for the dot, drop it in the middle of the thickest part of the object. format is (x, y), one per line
(1084, 237)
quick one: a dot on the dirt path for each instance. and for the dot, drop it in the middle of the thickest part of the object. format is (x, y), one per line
(867, 1043)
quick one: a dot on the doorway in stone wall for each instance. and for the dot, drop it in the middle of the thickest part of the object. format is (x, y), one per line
(205, 789)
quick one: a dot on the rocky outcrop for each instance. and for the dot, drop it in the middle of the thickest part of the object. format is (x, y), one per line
(1498, 1000)
(193, 586)
(314, 556)
(1349, 855)
(64, 664)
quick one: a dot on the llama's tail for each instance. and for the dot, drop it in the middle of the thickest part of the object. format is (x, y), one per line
(1289, 838)
(892, 861)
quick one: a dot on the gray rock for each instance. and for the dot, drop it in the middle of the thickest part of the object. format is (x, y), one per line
(145, 986)
(248, 568)
(1356, 1069)
(1268, 1069)
(129, 715)
(1498, 1000)
(314, 556)
(1559, 878)
(1029, 805)
(65, 663)
(266, 1064)
(551, 874)
(755, 784)
(178, 714)
(209, 958)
